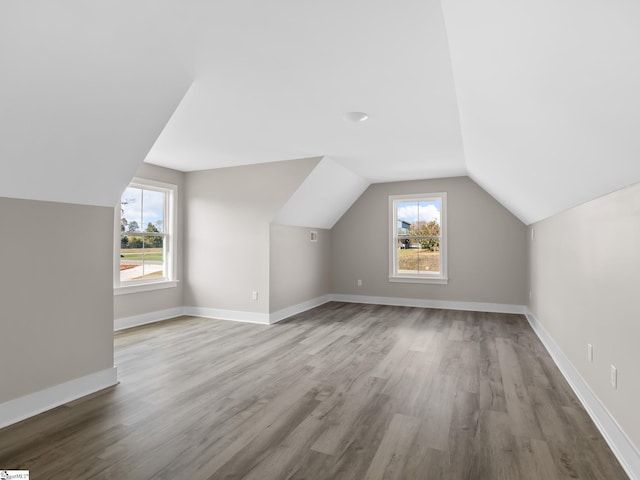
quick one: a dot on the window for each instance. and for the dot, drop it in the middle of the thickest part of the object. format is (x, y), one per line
(146, 237)
(418, 246)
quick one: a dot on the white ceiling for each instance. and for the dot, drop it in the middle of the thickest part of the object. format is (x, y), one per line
(275, 80)
(549, 95)
(81, 102)
(536, 101)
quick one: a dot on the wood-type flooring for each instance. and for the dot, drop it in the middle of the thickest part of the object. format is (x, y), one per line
(343, 391)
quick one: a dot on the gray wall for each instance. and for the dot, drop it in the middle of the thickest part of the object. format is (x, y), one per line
(155, 300)
(585, 278)
(487, 257)
(229, 211)
(56, 294)
(300, 269)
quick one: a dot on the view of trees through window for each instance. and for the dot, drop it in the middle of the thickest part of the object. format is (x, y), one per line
(142, 234)
(418, 236)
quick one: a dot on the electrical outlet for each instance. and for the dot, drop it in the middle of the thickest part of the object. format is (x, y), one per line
(614, 377)
(590, 353)
(254, 295)
(359, 282)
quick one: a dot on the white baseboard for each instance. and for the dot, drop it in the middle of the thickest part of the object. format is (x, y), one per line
(622, 447)
(424, 303)
(274, 317)
(221, 314)
(22, 408)
(143, 319)
(235, 315)
(298, 308)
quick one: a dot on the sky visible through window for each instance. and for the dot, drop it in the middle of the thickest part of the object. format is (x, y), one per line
(135, 199)
(424, 211)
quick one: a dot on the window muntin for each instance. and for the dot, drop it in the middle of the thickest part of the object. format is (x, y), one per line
(146, 235)
(418, 238)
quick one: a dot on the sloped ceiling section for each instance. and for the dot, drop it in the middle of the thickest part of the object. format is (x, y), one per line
(323, 197)
(275, 80)
(85, 90)
(537, 101)
(548, 98)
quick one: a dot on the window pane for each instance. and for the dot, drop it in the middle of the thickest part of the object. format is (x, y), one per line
(418, 255)
(408, 257)
(429, 255)
(153, 261)
(429, 217)
(153, 211)
(141, 257)
(131, 210)
(130, 257)
(407, 217)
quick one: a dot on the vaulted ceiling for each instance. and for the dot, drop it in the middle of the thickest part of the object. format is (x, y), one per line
(536, 101)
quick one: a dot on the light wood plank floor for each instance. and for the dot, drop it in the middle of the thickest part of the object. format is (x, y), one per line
(344, 391)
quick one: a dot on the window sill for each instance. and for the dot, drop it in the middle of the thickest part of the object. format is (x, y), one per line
(145, 287)
(421, 279)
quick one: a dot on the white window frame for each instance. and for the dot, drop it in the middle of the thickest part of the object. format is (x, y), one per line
(170, 241)
(394, 276)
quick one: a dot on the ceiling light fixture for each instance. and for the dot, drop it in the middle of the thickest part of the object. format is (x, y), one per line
(356, 116)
